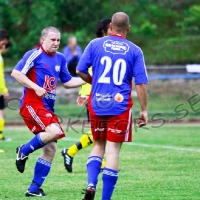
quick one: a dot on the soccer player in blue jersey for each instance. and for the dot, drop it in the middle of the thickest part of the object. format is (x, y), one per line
(102, 29)
(115, 62)
(38, 71)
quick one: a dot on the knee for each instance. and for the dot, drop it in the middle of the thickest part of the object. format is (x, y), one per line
(53, 131)
(50, 149)
(55, 135)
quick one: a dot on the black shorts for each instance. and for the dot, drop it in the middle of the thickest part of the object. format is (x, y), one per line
(2, 102)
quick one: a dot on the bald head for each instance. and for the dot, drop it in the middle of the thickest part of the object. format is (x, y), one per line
(120, 20)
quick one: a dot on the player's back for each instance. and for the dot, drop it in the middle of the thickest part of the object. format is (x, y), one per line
(115, 61)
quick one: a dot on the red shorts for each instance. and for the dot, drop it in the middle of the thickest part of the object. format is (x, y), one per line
(37, 118)
(112, 128)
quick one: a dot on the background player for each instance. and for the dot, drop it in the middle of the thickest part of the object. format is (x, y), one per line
(72, 52)
(5, 44)
(115, 61)
(38, 71)
(68, 154)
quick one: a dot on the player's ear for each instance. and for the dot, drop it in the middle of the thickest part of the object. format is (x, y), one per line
(128, 28)
(110, 26)
(41, 40)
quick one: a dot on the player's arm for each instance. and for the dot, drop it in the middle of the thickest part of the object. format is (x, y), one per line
(84, 64)
(142, 97)
(141, 80)
(74, 82)
(86, 77)
(86, 88)
(84, 94)
(25, 81)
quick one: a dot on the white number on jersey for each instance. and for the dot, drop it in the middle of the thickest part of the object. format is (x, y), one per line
(119, 70)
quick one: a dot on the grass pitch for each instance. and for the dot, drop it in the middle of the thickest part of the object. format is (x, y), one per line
(162, 163)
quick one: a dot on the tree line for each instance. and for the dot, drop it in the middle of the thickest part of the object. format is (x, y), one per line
(166, 30)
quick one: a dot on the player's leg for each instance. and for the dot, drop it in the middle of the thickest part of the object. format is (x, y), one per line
(69, 153)
(42, 169)
(110, 172)
(47, 129)
(84, 141)
(119, 131)
(37, 142)
(2, 122)
(94, 161)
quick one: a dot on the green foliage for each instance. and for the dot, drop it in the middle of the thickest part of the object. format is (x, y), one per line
(154, 24)
(190, 23)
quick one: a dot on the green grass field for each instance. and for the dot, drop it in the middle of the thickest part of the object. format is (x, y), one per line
(161, 164)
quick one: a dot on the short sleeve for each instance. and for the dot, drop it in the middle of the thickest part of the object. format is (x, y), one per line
(139, 69)
(64, 75)
(85, 61)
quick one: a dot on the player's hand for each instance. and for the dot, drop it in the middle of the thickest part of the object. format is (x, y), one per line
(6, 96)
(41, 92)
(82, 100)
(143, 118)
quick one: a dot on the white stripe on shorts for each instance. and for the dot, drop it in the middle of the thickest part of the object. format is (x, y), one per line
(35, 116)
(128, 126)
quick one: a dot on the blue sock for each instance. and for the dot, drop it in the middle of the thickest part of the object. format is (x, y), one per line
(42, 169)
(32, 145)
(109, 178)
(93, 169)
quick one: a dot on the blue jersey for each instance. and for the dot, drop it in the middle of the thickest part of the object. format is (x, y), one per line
(115, 62)
(44, 70)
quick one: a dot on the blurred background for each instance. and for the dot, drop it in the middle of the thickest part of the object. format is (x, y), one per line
(167, 31)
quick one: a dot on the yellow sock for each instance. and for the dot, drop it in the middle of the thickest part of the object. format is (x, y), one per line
(103, 163)
(1, 128)
(73, 150)
(84, 142)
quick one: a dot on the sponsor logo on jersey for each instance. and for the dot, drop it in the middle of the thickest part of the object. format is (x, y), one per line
(104, 101)
(99, 129)
(114, 130)
(119, 97)
(50, 84)
(116, 47)
(50, 96)
(57, 68)
(103, 97)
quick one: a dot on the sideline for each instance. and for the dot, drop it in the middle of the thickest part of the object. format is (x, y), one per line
(145, 145)
(163, 147)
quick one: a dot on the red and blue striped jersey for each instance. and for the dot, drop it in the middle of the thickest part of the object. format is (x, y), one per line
(115, 62)
(44, 70)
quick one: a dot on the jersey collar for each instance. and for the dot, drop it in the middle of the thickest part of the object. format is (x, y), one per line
(46, 52)
(117, 35)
